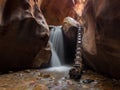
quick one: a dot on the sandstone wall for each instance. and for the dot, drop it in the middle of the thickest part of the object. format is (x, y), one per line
(101, 39)
(56, 10)
(24, 35)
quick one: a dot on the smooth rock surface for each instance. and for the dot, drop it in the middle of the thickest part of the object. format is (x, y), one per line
(70, 28)
(24, 35)
(101, 40)
(56, 10)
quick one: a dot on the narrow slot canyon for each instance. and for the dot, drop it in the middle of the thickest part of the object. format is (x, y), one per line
(59, 45)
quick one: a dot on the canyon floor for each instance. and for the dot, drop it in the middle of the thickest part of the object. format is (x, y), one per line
(55, 78)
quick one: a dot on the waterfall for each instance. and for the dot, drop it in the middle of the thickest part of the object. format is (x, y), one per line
(57, 48)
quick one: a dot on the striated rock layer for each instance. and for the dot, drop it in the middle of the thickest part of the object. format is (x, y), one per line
(56, 10)
(101, 39)
(24, 35)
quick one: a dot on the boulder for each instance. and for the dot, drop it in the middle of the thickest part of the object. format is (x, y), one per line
(70, 28)
(24, 35)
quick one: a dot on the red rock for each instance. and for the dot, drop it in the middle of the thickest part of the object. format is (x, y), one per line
(24, 35)
(56, 10)
(101, 38)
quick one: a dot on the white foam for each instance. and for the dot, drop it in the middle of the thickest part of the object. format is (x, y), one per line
(59, 69)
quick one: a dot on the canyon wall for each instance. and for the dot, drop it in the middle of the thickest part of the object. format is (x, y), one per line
(101, 45)
(24, 32)
(24, 35)
(101, 39)
(56, 10)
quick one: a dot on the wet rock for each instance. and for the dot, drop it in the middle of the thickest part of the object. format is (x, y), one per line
(75, 73)
(46, 75)
(87, 81)
(29, 81)
(10, 72)
(69, 82)
(27, 71)
(52, 77)
(40, 87)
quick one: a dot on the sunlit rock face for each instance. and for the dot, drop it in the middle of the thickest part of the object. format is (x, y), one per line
(24, 35)
(56, 10)
(101, 39)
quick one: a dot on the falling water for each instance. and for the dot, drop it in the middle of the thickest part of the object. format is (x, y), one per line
(56, 42)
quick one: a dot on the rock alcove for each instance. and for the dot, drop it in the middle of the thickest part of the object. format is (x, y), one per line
(25, 36)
